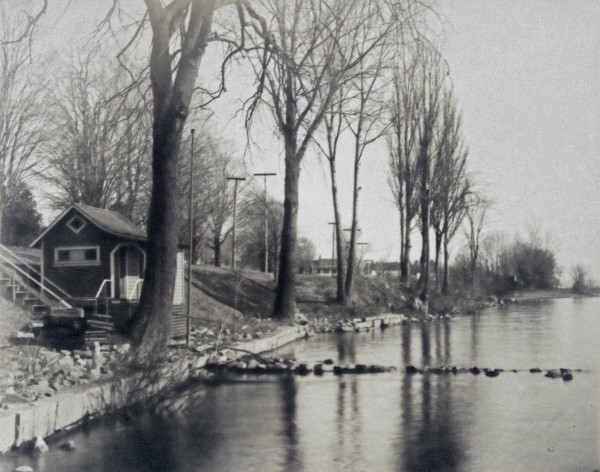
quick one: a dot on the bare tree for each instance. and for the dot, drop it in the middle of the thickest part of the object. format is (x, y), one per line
(334, 124)
(430, 82)
(252, 234)
(365, 124)
(476, 211)
(99, 154)
(220, 202)
(450, 186)
(403, 146)
(22, 130)
(181, 30)
(306, 51)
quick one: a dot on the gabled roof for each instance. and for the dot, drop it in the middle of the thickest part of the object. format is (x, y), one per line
(109, 221)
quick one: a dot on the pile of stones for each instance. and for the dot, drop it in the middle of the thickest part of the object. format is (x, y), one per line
(277, 365)
(37, 372)
(565, 374)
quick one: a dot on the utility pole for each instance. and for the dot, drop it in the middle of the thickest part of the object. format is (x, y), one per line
(265, 175)
(332, 245)
(235, 180)
(188, 329)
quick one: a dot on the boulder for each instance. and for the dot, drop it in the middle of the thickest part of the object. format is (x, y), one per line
(40, 446)
(553, 374)
(68, 446)
(475, 370)
(304, 369)
(567, 376)
(23, 468)
(535, 370)
(492, 373)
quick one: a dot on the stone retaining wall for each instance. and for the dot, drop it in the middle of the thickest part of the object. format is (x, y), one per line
(23, 422)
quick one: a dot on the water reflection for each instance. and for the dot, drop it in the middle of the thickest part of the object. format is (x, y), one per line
(346, 348)
(391, 421)
(288, 389)
(431, 440)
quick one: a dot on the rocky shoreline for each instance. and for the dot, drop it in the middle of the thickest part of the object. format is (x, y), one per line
(94, 386)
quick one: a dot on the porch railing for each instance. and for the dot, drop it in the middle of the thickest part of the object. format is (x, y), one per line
(135, 290)
(104, 286)
(46, 288)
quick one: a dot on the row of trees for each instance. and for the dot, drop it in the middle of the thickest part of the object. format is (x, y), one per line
(307, 56)
(503, 264)
(325, 71)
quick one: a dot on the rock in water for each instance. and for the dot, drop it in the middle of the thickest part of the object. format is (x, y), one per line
(535, 370)
(567, 376)
(553, 374)
(492, 373)
(68, 446)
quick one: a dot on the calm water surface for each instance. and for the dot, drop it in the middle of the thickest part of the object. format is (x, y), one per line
(393, 421)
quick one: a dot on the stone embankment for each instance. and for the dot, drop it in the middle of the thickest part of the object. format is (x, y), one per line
(84, 386)
(57, 390)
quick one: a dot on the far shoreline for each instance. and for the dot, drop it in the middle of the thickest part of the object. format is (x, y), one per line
(548, 294)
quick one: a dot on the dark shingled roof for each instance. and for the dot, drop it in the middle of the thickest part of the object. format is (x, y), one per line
(108, 221)
(112, 222)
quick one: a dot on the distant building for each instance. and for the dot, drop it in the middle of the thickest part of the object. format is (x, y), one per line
(324, 266)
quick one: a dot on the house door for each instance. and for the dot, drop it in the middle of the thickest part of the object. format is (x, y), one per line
(129, 269)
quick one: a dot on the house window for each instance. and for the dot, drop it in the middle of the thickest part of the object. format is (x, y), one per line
(76, 224)
(77, 256)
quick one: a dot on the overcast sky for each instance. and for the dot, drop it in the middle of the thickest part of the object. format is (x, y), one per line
(526, 76)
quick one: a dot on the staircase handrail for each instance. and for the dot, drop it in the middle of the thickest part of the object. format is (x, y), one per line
(43, 289)
(102, 287)
(49, 282)
(134, 288)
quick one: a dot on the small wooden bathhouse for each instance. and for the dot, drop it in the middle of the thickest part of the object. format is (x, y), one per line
(95, 254)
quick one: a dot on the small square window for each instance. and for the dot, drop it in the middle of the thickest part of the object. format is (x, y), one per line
(76, 224)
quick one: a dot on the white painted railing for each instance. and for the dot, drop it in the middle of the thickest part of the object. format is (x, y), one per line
(105, 283)
(8, 257)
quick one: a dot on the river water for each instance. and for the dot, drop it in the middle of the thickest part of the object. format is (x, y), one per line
(383, 422)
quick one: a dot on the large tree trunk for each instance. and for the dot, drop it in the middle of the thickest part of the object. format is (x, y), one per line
(352, 248)
(171, 99)
(405, 263)
(445, 277)
(341, 290)
(285, 300)
(401, 215)
(424, 278)
(436, 264)
(353, 230)
(150, 326)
